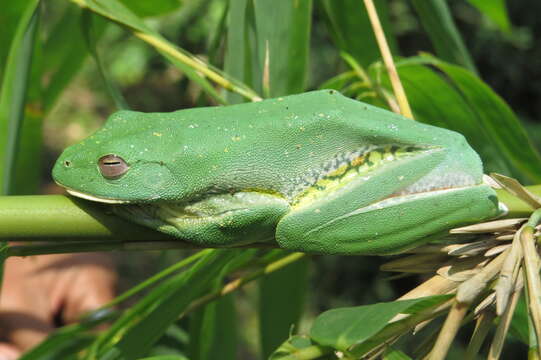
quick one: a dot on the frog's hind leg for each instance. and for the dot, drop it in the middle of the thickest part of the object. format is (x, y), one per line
(359, 208)
(220, 220)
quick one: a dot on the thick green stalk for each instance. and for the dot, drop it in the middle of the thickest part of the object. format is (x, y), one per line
(48, 217)
(61, 218)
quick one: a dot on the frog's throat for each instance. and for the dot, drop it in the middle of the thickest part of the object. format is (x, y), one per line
(95, 198)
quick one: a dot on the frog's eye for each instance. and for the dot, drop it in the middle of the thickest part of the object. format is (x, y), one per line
(112, 166)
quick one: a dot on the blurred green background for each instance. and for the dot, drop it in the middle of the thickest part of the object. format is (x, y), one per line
(507, 56)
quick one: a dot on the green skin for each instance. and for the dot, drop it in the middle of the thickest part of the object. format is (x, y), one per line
(315, 172)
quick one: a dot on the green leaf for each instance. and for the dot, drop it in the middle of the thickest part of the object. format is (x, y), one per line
(344, 327)
(440, 27)
(351, 30)
(281, 303)
(499, 121)
(90, 36)
(4, 254)
(65, 51)
(10, 17)
(394, 354)
(267, 45)
(213, 331)
(282, 41)
(477, 112)
(165, 357)
(13, 93)
(519, 324)
(194, 68)
(430, 95)
(496, 11)
(68, 340)
(134, 334)
(144, 8)
(237, 60)
(301, 347)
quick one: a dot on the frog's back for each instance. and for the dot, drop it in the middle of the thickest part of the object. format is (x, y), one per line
(279, 145)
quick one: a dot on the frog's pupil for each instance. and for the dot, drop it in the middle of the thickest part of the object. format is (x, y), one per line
(112, 166)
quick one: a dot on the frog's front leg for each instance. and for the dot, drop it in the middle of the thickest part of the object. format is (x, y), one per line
(386, 210)
(217, 220)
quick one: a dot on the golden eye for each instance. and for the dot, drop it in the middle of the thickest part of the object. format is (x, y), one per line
(112, 166)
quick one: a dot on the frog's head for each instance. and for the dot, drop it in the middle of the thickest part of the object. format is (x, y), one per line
(119, 163)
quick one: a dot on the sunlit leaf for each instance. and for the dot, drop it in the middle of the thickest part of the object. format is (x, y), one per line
(342, 328)
(495, 10)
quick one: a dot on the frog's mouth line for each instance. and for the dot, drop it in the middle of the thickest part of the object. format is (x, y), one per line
(95, 198)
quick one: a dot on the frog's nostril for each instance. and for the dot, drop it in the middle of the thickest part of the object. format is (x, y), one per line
(67, 163)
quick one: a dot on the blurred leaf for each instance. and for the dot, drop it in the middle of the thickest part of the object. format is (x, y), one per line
(65, 51)
(440, 27)
(351, 30)
(519, 324)
(237, 60)
(165, 357)
(296, 347)
(213, 331)
(218, 34)
(4, 254)
(430, 95)
(194, 68)
(11, 14)
(282, 41)
(13, 93)
(130, 62)
(213, 328)
(68, 340)
(267, 45)
(342, 328)
(281, 302)
(501, 124)
(394, 354)
(144, 8)
(134, 334)
(27, 176)
(90, 37)
(477, 112)
(496, 11)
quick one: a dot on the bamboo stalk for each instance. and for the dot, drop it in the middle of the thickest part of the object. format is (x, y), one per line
(448, 331)
(388, 60)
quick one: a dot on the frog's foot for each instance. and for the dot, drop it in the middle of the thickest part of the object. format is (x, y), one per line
(218, 220)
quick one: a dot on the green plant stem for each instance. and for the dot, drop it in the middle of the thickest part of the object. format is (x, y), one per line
(58, 218)
(63, 218)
